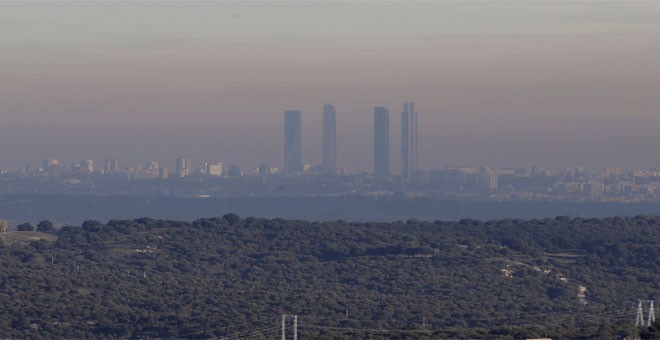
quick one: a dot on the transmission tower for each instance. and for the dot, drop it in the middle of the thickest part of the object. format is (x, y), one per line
(294, 326)
(639, 321)
(651, 318)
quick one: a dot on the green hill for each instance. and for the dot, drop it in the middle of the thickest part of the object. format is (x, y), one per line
(232, 277)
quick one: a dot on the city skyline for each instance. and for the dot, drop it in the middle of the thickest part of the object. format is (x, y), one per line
(185, 166)
(517, 84)
(206, 179)
(329, 169)
(409, 141)
(294, 146)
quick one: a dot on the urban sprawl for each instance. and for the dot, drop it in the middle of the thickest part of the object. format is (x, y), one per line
(326, 179)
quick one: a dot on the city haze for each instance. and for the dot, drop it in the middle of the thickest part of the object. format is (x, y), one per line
(503, 84)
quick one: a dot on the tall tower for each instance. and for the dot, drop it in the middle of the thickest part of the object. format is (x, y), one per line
(409, 141)
(329, 140)
(381, 142)
(111, 165)
(183, 167)
(292, 141)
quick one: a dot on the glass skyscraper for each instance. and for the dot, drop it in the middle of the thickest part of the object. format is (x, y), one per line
(329, 165)
(409, 141)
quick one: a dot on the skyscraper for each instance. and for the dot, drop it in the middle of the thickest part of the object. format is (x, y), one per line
(111, 165)
(381, 142)
(214, 169)
(409, 141)
(329, 140)
(87, 166)
(183, 167)
(292, 141)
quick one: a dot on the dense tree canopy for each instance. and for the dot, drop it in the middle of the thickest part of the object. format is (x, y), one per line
(45, 226)
(215, 277)
(25, 227)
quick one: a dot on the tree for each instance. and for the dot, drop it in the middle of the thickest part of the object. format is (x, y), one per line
(231, 218)
(25, 227)
(92, 226)
(4, 225)
(45, 226)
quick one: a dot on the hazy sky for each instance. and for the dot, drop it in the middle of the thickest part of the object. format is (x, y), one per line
(554, 84)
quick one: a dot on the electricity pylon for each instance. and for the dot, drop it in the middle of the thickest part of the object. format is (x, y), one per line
(286, 317)
(639, 321)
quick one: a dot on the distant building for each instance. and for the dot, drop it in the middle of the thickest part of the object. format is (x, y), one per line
(329, 140)
(151, 169)
(51, 164)
(293, 141)
(234, 171)
(111, 165)
(183, 167)
(264, 169)
(214, 169)
(409, 141)
(381, 142)
(87, 166)
(488, 180)
(612, 172)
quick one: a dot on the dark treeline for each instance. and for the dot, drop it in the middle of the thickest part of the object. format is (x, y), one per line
(232, 277)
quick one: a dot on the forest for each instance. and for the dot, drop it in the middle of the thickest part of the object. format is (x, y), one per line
(233, 278)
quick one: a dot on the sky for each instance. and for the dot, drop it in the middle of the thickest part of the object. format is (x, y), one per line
(552, 84)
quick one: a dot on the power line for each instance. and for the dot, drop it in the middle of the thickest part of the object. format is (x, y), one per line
(274, 330)
(562, 314)
(556, 318)
(226, 328)
(373, 330)
(289, 324)
(618, 315)
(251, 333)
